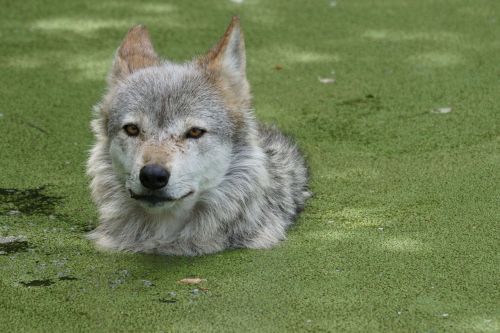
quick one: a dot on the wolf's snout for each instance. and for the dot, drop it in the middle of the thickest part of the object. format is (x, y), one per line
(154, 176)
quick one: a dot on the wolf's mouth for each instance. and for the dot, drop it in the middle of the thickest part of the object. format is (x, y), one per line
(155, 199)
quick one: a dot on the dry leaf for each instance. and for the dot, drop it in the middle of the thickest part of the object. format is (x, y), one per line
(326, 80)
(190, 281)
(442, 110)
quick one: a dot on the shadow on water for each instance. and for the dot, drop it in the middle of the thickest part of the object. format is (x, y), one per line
(46, 282)
(31, 201)
(68, 278)
(369, 101)
(37, 283)
(12, 244)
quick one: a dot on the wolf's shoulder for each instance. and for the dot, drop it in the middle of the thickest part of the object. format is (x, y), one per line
(279, 146)
(286, 166)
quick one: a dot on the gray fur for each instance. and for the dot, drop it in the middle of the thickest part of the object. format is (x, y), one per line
(248, 180)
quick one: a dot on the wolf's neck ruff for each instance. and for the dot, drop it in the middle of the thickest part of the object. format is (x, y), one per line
(180, 165)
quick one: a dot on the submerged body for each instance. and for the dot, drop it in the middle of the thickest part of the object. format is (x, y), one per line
(180, 166)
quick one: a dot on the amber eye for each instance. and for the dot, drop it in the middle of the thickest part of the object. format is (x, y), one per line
(195, 133)
(131, 130)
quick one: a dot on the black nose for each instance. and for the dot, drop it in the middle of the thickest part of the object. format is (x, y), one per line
(154, 176)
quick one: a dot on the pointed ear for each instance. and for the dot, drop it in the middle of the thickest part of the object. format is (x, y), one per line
(135, 52)
(226, 62)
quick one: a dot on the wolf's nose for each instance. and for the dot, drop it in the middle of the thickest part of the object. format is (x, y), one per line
(154, 176)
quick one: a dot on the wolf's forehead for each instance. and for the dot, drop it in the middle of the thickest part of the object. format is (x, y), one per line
(166, 91)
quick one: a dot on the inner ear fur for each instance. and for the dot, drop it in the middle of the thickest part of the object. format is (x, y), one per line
(135, 52)
(225, 64)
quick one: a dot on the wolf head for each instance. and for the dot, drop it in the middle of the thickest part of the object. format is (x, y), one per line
(169, 129)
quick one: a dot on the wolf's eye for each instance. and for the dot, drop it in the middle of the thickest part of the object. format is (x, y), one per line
(131, 130)
(195, 133)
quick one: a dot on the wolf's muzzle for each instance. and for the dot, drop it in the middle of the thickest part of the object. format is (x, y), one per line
(154, 176)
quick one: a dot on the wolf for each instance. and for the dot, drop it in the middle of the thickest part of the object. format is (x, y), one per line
(180, 165)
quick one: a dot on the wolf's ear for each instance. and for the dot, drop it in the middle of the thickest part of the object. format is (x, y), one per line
(226, 62)
(135, 52)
